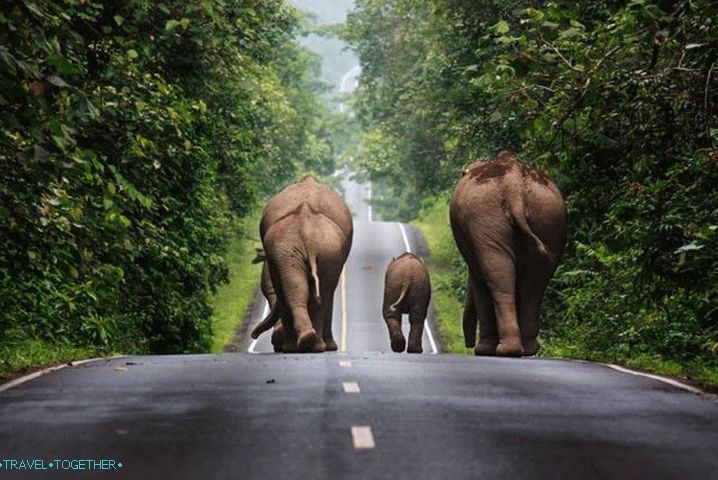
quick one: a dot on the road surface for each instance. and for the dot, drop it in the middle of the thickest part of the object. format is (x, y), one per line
(364, 413)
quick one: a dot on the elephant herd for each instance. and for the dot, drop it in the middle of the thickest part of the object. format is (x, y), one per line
(509, 222)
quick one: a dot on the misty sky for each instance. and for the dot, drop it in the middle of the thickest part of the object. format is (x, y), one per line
(337, 62)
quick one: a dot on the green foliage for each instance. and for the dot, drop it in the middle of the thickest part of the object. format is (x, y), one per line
(230, 301)
(615, 100)
(132, 135)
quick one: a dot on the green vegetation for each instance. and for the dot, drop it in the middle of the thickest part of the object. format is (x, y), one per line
(614, 100)
(232, 299)
(133, 136)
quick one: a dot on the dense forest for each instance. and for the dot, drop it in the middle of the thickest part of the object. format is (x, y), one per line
(615, 100)
(134, 136)
(138, 138)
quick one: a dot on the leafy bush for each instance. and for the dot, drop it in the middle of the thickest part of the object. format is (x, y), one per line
(131, 134)
(614, 100)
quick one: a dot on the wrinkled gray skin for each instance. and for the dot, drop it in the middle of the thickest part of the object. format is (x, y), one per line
(306, 232)
(509, 222)
(406, 290)
(271, 296)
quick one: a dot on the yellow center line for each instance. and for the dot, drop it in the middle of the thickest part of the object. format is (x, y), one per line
(345, 326)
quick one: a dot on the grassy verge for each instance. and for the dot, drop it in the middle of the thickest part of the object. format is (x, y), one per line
(232, 299)
(24, 356)
(434, 223)
(694, 370)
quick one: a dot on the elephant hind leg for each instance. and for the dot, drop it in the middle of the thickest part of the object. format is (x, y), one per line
(278, 336)
(294, 287)
(534, 277)
(327, 326)
(416, 330)
(396, 336)
(484, 308)
(470, 317)
(499, 272)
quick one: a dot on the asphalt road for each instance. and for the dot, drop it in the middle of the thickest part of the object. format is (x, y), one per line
(363, 413)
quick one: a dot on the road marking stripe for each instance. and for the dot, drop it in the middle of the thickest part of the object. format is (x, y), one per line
(669, 381)
(265, 311)
(362, 437)
(45, 371)
(427, 328)
(371, 219)
(351, 387)
(345, 363)
(345, 323)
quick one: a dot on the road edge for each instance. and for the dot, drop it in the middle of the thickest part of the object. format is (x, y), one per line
(39, 373)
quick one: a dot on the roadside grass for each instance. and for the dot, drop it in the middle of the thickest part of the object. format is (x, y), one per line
(434, 224)
(24, 356)
(433, 221)
(232, 299)
(693, 370)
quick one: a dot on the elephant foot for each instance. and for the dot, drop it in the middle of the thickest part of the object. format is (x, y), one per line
(531, 347)
(289, 347)
(415, 349)
(485, 349)
(320, 346)
(278, 339)
(511, 347)
(331, 345)
(306, 340)
(398, 342)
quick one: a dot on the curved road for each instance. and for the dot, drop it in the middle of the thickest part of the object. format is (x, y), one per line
(359, 414)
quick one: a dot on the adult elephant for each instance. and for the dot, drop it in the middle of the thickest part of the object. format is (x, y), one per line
(306, 231)
(509, 222)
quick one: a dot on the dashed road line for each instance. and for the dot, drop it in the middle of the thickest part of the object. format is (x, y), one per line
(345, 363)
(362, 437)
(427, 328)
(351, 387)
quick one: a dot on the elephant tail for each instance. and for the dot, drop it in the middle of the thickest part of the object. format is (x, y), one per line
(273, 317)
(404, 289)
(517, 209)
(315, 278)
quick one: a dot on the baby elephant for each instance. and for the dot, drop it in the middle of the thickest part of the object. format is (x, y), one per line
(406, 290)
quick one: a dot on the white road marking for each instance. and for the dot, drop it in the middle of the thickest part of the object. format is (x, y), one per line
(362, 437)
(345, 323)
(265, 312)
(427, 328)
(45, 371)
(351, 387)
(371, 219)
(345, 363)
(669, 381)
